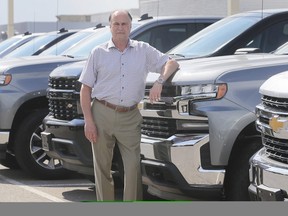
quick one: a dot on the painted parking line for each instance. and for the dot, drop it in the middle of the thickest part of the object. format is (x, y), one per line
(31, 189)
(64, 185)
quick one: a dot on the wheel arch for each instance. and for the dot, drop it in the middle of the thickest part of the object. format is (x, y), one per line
(236, 180)
(25, 109)
(249, 132)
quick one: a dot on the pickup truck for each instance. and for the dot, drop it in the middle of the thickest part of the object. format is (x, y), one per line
(23, 84)
(41, 43)
(197, 140)
(269, 166)
(23, 104)
(16, 41)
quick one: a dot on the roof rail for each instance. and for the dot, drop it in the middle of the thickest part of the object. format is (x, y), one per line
(145, 17)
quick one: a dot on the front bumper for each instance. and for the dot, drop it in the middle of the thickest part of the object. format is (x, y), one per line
(65, 140)
(173, 168)
(268, 178)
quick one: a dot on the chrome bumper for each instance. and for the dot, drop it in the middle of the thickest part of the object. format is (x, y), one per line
(268, 179)
(183, 151)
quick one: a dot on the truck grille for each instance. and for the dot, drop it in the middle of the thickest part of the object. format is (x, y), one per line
(63, 109)
(276, 149)
(63, 97)
(64, 83)
(276, 103)
(158, 127)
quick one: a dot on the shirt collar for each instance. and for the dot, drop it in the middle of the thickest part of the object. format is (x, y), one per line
(131, 43)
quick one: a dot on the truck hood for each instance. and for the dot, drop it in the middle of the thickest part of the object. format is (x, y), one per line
(69, 70)
(8, 64)
(276, 86)
(208, 70)
(195, 71)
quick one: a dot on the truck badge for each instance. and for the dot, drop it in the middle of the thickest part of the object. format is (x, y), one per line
(275, 123)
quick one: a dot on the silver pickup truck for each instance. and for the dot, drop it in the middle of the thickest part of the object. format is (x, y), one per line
(269, 166)
(197, 141)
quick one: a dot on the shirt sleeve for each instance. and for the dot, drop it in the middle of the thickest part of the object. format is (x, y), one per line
(156, 59)
(89, 72)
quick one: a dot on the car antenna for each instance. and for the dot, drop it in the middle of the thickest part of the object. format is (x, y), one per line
(27, 33)
(99, 26)
(145, 17)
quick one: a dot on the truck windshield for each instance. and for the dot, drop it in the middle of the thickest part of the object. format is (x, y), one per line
(83, 48)
(8, 42)
(32, 46)
(213, 37)
(59, 48)
(282, 50)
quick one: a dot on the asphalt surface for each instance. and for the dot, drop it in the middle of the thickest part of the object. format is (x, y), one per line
(17, 186)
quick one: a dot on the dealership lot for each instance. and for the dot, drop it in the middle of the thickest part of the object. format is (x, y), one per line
(17, 186)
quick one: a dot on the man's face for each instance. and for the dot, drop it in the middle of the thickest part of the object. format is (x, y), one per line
(120, 26)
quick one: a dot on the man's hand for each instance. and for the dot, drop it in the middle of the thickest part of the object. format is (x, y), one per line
(155, 92)
(90, 132)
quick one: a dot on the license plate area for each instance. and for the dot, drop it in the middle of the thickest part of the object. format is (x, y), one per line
(46, 140)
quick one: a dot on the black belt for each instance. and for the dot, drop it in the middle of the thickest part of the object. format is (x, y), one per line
(117, 107)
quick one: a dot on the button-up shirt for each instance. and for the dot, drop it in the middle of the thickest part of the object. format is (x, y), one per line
(119, 77)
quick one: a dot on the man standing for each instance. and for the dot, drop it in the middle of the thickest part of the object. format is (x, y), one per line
(113, 83)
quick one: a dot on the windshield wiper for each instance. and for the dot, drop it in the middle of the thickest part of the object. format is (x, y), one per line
(69, 56)
(176, 54)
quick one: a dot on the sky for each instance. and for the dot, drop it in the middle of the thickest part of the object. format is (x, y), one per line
(47, 10)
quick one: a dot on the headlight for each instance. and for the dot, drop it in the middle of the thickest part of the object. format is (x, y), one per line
(204, 91)
(5, 79)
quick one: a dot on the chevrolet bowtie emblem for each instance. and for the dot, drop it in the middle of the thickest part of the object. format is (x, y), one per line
(275, 123)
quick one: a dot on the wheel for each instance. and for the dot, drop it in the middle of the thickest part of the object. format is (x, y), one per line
(237, 174)
(29, 153)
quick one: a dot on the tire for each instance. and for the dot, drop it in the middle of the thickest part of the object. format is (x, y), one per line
(237, 174)
(10, 162)
(29, 153)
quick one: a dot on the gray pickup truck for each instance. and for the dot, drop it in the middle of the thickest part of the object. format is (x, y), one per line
(23, 104)
(23, 84)
(269, 166)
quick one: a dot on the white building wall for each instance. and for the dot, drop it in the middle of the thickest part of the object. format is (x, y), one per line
(183, 7)
(206, 7)
(259, 4)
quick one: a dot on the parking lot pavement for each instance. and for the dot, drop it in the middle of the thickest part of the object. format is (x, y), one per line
(16, 186)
